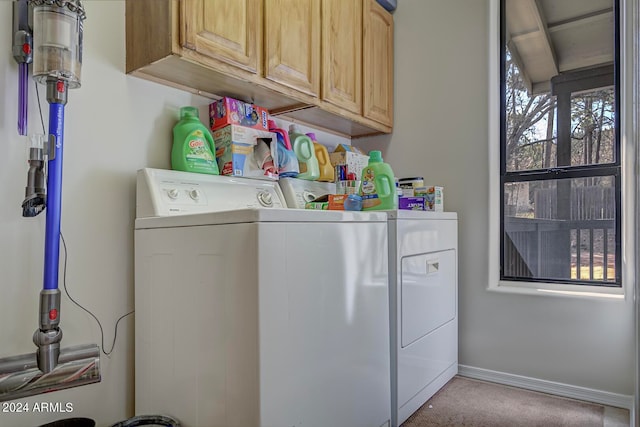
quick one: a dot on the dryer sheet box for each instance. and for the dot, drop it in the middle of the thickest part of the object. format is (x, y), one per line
(246, 152)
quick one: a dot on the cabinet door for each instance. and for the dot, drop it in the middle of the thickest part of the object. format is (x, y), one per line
(378, 63)
(292, 44)
(227, 31)
(342, 53)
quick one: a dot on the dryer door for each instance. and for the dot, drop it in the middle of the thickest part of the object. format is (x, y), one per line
(427, 292)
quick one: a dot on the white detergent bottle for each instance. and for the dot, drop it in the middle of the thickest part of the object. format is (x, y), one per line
(305, 152)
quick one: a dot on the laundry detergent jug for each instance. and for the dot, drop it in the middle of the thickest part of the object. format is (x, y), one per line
(327, 174)
(307, 160)
(287, 160)
(193, 148)
(377, 186)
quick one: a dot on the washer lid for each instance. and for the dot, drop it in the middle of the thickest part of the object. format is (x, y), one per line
(282, 215)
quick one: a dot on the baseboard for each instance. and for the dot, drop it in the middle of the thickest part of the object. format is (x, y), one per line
(544, 386)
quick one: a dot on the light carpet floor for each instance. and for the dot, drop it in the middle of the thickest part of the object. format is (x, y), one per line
(465, 402)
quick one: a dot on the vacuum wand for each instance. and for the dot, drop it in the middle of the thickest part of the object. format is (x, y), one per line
(57, 41)
(22, 53)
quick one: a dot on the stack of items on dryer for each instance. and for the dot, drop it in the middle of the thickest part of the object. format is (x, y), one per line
(414, 195)
(366, 182)
(242, 141)
(360, 187)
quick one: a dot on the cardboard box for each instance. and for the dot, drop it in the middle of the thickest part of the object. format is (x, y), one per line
(433, 197)
(246, 152)
(355, 161)
(411, 203)
(336, 201)
(229, 111)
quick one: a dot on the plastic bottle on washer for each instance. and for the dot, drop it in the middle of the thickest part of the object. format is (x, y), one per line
(307, 160)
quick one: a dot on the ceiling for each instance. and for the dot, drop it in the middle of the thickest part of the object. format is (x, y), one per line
(549, 37)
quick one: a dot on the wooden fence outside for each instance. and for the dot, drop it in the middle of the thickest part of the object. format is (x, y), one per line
(580, 248)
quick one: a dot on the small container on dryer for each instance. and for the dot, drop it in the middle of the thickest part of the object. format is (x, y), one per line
(353, 203)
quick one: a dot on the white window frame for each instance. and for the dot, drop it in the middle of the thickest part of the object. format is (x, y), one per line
(629, 134)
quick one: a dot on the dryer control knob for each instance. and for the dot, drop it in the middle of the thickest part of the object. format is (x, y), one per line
(173, 193)
(265, 199)
(194, 194)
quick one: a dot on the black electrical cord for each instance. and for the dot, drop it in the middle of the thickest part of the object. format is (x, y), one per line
(64, 270)
(64, 283)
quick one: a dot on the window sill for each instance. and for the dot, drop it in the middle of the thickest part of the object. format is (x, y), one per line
(555, 290)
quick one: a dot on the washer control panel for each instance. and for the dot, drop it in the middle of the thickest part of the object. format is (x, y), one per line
(166, 192)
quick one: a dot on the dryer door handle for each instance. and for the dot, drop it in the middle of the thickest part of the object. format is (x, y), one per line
(433, 266)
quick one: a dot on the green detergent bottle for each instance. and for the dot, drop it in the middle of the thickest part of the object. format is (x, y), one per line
(193, 148)
(377, 186)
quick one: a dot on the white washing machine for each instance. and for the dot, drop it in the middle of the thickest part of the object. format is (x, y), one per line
(252, 315)
(423, 293)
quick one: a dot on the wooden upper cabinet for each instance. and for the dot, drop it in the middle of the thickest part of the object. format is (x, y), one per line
(300, 59)
(342, 53)
(227, 31)
(378, 63)
(292, 44)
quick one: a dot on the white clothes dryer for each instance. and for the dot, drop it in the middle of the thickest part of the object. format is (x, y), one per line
(249, 314)
(423, 296)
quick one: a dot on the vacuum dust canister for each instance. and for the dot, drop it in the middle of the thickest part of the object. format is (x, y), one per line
(57, 41)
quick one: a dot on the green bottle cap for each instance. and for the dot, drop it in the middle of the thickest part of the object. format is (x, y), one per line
(375, 156)
(189, 112)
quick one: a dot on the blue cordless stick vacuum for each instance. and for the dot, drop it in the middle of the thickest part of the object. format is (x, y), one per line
(57, 60)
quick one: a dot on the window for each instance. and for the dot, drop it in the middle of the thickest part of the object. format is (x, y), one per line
(560, 174)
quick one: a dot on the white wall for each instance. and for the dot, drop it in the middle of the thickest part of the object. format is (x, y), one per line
(115, 124)
(441, 132)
